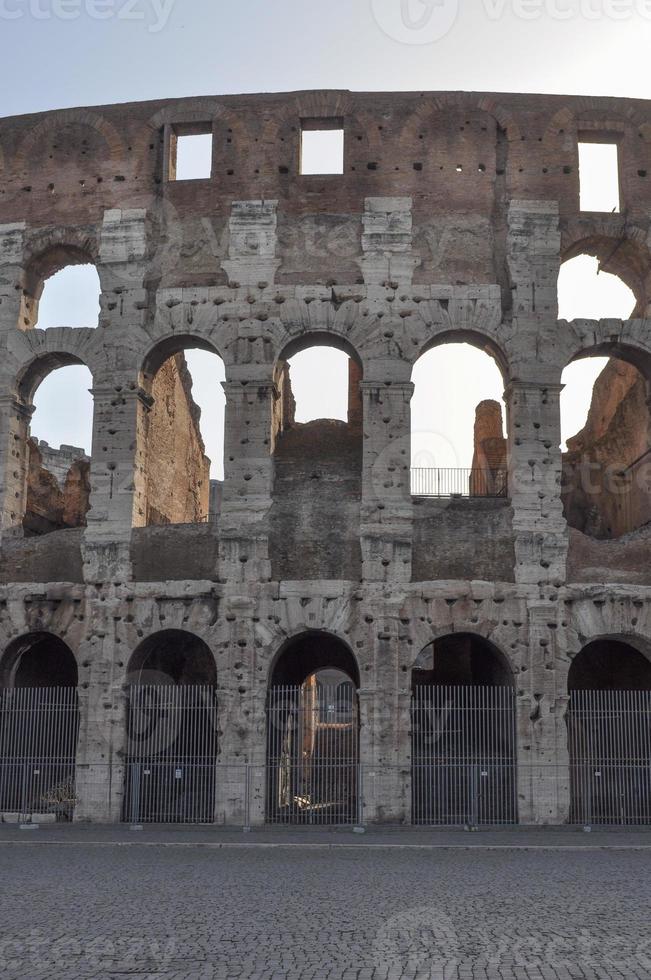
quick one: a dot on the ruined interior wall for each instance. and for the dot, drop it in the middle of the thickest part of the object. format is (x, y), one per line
(490, 447)
(50, 505)
(314, 518)
(178, 471)
(615, 436)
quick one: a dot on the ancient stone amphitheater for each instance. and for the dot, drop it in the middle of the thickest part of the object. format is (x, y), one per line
(326, 642)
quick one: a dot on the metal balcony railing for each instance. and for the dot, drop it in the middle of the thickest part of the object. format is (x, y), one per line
(458, 482)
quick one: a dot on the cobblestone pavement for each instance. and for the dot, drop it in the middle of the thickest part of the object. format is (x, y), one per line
(165, 913)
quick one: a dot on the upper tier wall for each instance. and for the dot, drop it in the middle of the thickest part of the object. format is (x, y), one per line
(67, 168)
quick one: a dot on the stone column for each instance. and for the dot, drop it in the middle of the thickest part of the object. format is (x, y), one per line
(543, 759)
(15, 417)
(248, 472)
(117, 501)
(13, 310)
(385, 753)
(535, 473)
(533, 258)
(386, 513)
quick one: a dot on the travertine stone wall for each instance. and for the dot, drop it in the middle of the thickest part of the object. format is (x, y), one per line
(450, 221)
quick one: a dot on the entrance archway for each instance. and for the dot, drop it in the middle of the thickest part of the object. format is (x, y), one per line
(313, 733)
(463, 734)
(39, 726)
(172, 735)
(609, 734)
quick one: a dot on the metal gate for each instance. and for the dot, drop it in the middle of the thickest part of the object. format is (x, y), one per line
(171, 754)
(313, 754)
(463, 755)
(38, 744)
(609, 734)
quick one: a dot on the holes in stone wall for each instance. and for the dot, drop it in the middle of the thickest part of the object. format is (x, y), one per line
(599, 176)
(322, 146)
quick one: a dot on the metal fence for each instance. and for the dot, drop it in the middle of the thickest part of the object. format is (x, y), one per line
(170, 771)
(609, 735)
(38, 743)
(458, 482)
(313, 768)
(463, 755)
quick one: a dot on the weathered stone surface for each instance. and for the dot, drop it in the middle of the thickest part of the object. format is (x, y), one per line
(450, 221)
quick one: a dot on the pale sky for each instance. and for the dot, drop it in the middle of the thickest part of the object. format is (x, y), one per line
(165, 48)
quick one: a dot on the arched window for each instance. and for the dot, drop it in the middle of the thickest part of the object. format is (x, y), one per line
(39, 722)
(183, 446)
(463, 734)
(313, 733)
(70, 298)
(609, 684)
(458, 435)
(317, 461)
(605, 425)
(57, 451)
(172, 732)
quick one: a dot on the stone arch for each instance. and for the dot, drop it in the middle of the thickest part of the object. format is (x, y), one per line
(596, 666)
(165, 347)
(481, 341)
(38, 659)
(495, 670)
(43, 363)
(172, 656)
(55, 120)
(623, 252)
(330, 650)
(459, 101)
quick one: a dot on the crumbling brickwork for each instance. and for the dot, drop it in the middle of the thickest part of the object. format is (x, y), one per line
(449, 222)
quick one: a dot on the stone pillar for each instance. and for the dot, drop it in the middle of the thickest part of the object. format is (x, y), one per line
(13, 311)
(117, 500)
(543, 759)
(387, 248)
(15, 418)
(386, 513)
(535, 472)
(248, 472)
(533, 258)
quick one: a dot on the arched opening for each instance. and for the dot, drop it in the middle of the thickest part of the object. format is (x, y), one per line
(56, 439)
(605, 422)
(70, 298)
(39, 724)
(609, 734)
(458, 435)
(317, 461)
(313, 733)
(61, 289)
(183, 440)
(172, 734)
(463, 734)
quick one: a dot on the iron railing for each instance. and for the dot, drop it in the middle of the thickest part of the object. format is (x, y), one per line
(463, 752)
(38, 745)
(609, 735)
(458, 482)
(313, 754)
(463, 767)
(171, 759)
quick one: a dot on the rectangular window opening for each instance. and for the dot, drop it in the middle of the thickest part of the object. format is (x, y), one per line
(322, 146)
(191, 153)
(599, 177)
